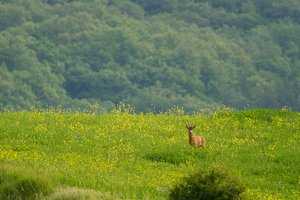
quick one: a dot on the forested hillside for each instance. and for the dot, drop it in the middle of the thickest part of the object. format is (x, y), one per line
(152, 54)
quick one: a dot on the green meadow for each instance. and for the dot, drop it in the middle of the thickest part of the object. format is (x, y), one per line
(127, 155)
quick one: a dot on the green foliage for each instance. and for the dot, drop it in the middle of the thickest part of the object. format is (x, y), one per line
(167, 154)
(12, 15)
(213, 184)
(14, 185)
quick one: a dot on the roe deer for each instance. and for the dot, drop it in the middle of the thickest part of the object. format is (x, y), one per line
(196, 141)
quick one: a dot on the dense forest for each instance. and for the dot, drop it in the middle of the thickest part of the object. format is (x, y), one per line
(151, 54)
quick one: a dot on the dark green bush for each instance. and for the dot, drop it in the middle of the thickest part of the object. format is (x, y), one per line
(213, 184)
(15, 185)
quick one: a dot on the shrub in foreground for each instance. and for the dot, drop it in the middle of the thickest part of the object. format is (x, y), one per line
(213, 184)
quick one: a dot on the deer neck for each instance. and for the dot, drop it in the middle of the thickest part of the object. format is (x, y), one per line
(190, 137)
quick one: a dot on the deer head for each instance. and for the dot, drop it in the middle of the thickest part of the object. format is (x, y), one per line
(190, 128)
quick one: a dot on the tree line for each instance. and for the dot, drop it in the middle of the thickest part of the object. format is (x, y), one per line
(150, 54)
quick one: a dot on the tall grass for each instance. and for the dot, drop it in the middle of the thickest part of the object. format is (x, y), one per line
(17, 184)
(138, 156)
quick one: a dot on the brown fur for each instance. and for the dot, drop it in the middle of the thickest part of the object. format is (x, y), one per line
(196, 141)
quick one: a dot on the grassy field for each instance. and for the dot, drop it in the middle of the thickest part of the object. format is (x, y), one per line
(141, 156)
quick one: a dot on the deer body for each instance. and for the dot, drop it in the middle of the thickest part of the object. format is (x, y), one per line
(197, 141)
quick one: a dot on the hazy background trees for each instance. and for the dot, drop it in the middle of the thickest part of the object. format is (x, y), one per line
(150, 54)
